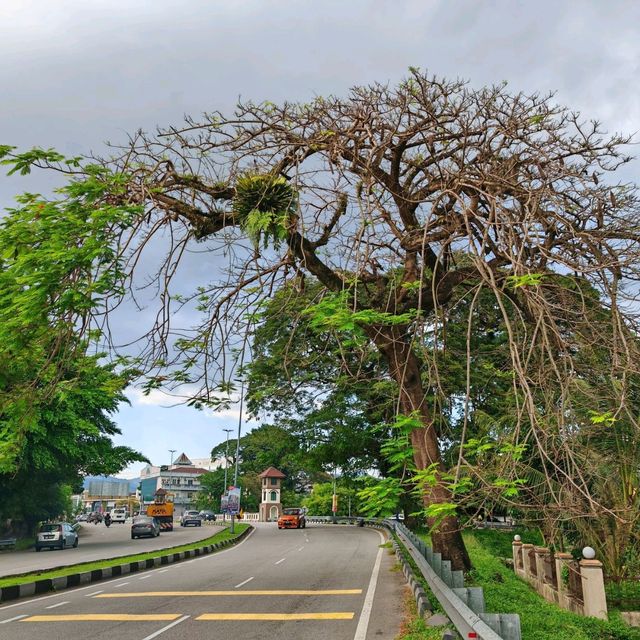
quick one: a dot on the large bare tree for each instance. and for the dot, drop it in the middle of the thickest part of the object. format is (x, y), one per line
(397, 198)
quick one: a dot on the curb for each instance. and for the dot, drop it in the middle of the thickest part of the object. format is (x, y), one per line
(37, 587)
(422, 601)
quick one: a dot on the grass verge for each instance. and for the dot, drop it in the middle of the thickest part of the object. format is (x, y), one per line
(413, 626)
(221, 536)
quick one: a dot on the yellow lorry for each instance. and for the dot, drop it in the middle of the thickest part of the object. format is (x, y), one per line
(162, 510)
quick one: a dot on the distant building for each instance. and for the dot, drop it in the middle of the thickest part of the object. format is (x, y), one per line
(208, 463)
(180, 480)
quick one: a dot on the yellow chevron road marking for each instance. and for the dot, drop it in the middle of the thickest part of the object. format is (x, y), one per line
(285, 592)
(95, 617)
(335, 615)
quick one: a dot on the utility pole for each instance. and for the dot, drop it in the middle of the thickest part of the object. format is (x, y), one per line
(226, 467)
(170, 478)
(334, 499)
(235, 473)
(226, 459)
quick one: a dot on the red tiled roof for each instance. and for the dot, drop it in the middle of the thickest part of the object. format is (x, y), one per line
(188, 470)
(272, 472)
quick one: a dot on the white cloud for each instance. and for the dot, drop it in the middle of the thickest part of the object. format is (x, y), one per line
(162, 398)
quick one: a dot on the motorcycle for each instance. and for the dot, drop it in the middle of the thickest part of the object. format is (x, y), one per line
(107, 521)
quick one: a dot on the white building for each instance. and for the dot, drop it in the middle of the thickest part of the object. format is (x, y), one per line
(181, 480)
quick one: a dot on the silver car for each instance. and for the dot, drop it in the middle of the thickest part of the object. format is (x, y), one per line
(145, 526)
(56, 535)
(191, 517)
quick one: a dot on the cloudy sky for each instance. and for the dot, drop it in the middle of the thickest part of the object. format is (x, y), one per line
(77, 73)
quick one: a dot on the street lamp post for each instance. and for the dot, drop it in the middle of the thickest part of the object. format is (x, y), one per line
(334, 499)
(226, 459)
(170, 477)
(235, 472)
(226, 465)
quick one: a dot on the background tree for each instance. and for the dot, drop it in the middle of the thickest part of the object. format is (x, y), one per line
(320, 390)
(71, 438)
(56, 258)
(320, 501)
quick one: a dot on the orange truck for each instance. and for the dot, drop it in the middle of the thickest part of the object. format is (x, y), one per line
(162, 510)
(292, 518)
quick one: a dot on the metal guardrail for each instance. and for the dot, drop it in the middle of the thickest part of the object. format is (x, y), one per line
(453, 597)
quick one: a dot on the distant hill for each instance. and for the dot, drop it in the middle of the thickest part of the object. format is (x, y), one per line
(133, 482)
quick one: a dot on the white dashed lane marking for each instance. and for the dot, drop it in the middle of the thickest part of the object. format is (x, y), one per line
(243, 583)
(13, 619)
(59, 604)
(279, 561)
(169, 626)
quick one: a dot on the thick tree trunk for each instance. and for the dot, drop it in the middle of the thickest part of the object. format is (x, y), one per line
(404, 367)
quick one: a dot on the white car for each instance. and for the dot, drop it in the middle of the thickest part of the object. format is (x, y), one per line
(191, 517)
(119, 515)
(56, 535)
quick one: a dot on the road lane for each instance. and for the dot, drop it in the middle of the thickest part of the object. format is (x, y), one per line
(98, 542)
(318, 592)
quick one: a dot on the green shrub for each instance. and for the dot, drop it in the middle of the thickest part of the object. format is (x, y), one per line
(499, 542)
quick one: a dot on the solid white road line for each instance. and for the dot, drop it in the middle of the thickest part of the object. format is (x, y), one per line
(243, 583)
(229, 550)
(95, 593)
(173, 624)
(279, 561)
(38, 599)
(59, 604)
(363, 622)
(13, 619)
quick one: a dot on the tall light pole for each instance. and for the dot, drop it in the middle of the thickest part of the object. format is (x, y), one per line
(170, 478)
(226, 459)
(334, 498)
(235, 472)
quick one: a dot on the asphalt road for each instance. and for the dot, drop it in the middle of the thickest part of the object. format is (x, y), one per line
(322, 582)
(98, 542)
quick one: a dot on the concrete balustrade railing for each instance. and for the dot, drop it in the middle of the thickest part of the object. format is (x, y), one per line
(557, 577)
